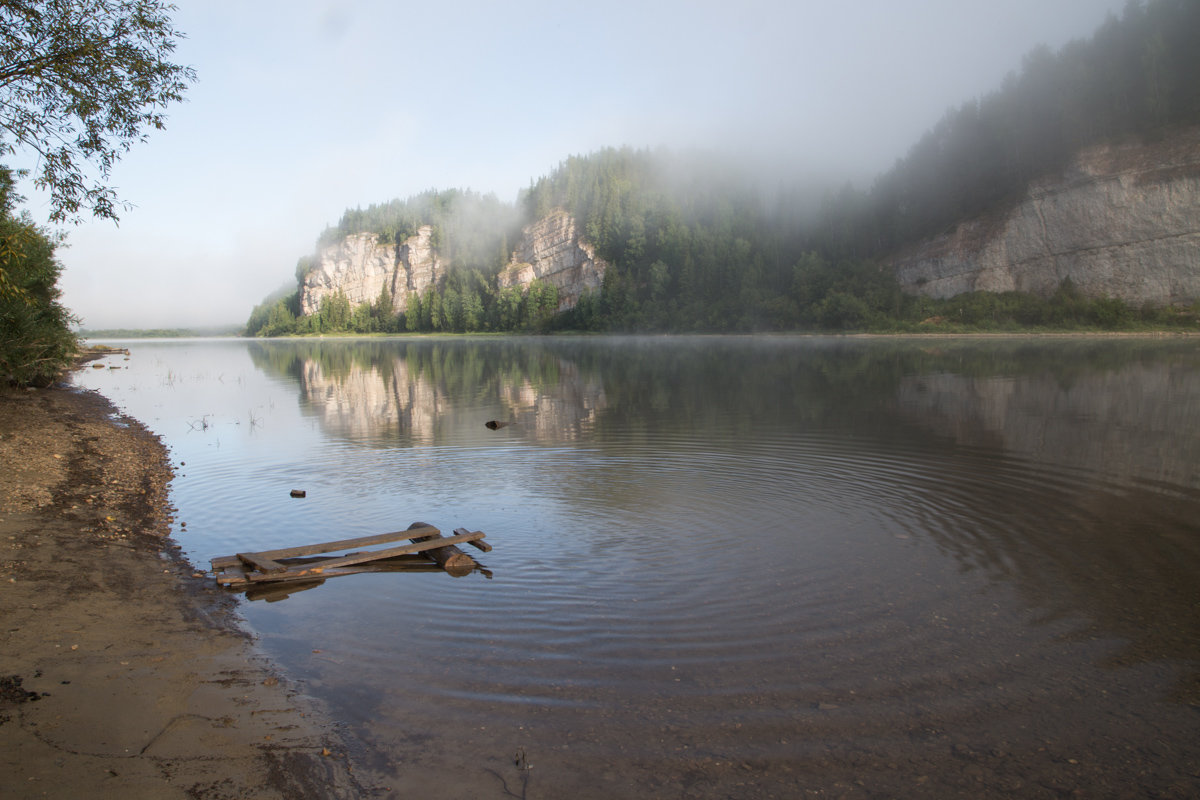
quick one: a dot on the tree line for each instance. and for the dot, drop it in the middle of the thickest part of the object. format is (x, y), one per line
(693, 245)
(35, 327)
(1138, 76)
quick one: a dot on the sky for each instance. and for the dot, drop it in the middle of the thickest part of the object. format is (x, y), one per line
(304, 108)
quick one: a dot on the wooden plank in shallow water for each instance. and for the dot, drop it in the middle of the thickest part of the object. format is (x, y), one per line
(478, 544)
(260, 562)
(273, 556)
(358, 558)
(448, 557)
(343, 544)
(235, 574)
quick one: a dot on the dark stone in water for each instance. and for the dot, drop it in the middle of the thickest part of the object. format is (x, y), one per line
(496, 425)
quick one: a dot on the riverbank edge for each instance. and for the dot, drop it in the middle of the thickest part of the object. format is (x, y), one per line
(123, 671)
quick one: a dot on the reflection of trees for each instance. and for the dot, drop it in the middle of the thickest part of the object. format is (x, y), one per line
(1066, 468)
(1136, 423)
(1098, 519)
(684, 384)
(384, 390)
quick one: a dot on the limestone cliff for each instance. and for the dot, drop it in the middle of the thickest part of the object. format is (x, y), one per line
(1122, 221)
(552, 251)
(361, 266)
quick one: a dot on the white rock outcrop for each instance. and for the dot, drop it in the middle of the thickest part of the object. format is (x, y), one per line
(361, 266)
(552, 251)
(1123, 221)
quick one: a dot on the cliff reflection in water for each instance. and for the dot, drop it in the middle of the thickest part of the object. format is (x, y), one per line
(1067, 469)
(1132, 419)
(1123, 408)
(1113, 429)
(392, 393)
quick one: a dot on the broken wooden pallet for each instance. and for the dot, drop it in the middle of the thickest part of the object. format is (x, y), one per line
(295, 563)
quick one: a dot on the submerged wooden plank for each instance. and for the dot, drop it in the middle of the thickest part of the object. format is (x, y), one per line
(343, 544)
(260, 562)
(235, 574)
(478, 544)
(358, 558)
(448, 557)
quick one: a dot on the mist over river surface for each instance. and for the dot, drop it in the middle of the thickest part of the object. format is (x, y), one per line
(723, 566)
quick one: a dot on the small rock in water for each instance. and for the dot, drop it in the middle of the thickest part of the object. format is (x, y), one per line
(496, 424)
(299, 493)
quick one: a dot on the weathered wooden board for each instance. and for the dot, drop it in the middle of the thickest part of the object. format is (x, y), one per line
(260, 562)
(290, 564)
(449, 557)
(357, 558)
(235, 575)
(478, 544)
(328, 547)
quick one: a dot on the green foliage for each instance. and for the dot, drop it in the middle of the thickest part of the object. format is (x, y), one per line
(275, 316)
(1134, 77)
(36, 343)
(334, 315)
(692, 244)
(82, 81)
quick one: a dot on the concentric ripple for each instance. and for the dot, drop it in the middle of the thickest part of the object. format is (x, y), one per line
(792, 563)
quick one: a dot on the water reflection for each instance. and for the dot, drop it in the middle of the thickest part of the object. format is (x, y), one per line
(1125, 408)
(277, 591)
(1132, 418)
(738, 566)
(1008, 483)
(414, 393)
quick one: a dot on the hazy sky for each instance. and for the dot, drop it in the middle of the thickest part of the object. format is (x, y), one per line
(304, 108)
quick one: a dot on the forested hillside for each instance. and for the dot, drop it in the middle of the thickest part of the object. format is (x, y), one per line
(1137, 76)
(692, 245)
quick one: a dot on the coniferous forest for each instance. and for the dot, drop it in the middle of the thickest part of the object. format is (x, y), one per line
(694, 244)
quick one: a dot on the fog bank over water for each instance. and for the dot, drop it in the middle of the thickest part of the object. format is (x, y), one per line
(303, 110)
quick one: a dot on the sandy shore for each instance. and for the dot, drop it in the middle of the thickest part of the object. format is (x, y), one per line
(123, 674)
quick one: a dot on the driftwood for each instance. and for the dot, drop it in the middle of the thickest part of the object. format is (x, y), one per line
(275, 591)
(448, 557)
(296, 563)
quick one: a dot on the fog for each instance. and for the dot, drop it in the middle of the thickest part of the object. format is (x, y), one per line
(304, 109)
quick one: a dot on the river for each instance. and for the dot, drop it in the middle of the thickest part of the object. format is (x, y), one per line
(722, 566)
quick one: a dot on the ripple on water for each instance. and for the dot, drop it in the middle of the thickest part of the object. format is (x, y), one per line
(745, 569)
(669, 593)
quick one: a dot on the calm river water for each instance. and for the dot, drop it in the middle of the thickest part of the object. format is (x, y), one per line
(723, 567)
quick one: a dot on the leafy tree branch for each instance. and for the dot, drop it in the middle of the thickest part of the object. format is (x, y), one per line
(81, 82)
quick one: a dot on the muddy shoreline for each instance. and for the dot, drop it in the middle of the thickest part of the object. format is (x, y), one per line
(123, 673)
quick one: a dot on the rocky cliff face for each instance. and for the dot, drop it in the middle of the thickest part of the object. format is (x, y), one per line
(361, 267)
(1123, 221)
(552, 251)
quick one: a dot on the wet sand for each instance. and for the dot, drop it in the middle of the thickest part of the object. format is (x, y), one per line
(122, 672)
